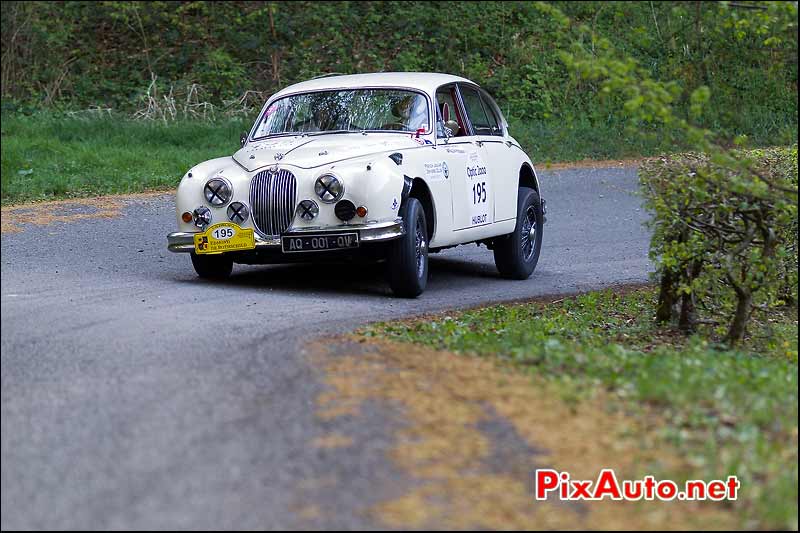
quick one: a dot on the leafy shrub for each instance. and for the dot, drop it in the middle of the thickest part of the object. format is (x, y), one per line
(725, 234)
(80, 54)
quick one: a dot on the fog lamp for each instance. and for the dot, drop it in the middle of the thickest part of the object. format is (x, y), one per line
(238, 212)
(308, 209)
(202, 216)
(345, 210)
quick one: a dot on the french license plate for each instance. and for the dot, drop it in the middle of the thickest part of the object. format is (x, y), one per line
(224, 237)
(319, 243)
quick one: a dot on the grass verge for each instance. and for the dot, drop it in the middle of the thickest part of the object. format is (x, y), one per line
(46, 158)
(728, 412)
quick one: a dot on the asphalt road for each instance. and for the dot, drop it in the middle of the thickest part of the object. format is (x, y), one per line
(136, 396)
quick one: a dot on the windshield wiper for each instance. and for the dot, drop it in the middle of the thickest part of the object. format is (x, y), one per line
(404, 132)
(331, 132)
(281, 134)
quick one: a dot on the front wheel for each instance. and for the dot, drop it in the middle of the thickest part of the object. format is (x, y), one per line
(408, 255)
(517, 253)
(214, 267)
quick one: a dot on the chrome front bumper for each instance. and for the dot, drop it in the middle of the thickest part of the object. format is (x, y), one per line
(183, 241)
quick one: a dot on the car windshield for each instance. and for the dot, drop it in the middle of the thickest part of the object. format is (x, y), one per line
(345, 110)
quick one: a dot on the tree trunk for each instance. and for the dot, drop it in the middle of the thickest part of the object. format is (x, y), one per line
(786, 293)
(688, 317)
(736, 331)
(666, 297)
(687, 320)
(276, 55)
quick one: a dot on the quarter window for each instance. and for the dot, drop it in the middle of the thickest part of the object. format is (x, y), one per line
(494, 122)
(475, 111)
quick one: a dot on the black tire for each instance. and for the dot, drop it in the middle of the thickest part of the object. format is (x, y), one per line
(517, 253)
(407, 267)
(213, 267)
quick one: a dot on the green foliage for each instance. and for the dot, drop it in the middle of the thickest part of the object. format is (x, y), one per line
(729, 412)
(220, 73)
(80, 54)
(725, 220)
(725, 233)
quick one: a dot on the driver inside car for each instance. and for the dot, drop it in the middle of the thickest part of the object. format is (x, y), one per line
(318, 121)
(411, 113)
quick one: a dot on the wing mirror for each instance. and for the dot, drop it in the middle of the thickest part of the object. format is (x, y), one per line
(441, 128)
(243, 139)
(450, 128)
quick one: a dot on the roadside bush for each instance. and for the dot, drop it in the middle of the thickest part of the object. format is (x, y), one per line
(724, 235)
(79, 54)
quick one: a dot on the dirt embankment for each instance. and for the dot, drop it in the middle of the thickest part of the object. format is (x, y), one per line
(474, 432)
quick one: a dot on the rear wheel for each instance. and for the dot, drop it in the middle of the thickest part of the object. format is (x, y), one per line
(408, 255)
(517, 253)
(213, 267)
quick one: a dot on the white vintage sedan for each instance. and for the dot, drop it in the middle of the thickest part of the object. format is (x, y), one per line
(389, 166)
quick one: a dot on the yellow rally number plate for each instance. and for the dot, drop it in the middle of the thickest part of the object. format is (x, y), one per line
(224, 237)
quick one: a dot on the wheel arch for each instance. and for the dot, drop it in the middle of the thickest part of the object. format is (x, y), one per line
(417, 188)
(528, 177)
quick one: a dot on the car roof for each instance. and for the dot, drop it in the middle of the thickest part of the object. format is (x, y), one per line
(424, 81)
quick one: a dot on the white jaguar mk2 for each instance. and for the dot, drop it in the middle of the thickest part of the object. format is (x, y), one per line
(391, 166)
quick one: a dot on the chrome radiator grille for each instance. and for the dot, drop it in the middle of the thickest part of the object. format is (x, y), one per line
(272, 201)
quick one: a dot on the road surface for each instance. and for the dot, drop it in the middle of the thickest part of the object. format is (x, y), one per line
(136, 396)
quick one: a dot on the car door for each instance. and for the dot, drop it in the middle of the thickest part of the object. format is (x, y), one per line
(454, 147)
(505, 162)
(473, 187)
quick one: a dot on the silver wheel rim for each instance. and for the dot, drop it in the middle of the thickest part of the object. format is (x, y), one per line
(528, 233)
(419, 247)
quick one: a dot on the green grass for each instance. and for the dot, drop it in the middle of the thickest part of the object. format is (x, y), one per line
(729, 412)
(554, 142)
(56, 157)
(575, 140)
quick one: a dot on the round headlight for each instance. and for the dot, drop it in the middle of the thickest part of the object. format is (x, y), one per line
(308, 209)
(202, 216)
(218, 192)
(329, 188)
(238, 212)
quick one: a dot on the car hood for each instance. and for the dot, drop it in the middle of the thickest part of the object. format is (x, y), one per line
(310, 152)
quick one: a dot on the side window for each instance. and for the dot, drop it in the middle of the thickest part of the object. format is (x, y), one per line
(475, 111)
(449, 113)
(494, 121)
